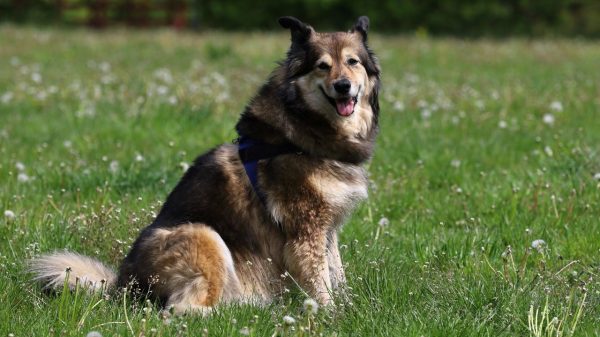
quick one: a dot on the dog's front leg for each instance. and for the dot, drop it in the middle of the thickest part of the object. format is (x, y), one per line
(306, 260)
(336, 269)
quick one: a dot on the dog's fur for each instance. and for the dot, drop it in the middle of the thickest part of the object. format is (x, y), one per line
(215, 240)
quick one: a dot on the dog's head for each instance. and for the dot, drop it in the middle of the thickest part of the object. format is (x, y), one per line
(336, 74)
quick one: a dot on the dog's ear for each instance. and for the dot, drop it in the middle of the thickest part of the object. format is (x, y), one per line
(300, 31)
(362, 26)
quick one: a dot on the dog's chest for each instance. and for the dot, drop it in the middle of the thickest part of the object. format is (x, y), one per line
(325, 192)
(340, 191)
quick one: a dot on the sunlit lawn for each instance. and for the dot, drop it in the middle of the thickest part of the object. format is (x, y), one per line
(485, 148)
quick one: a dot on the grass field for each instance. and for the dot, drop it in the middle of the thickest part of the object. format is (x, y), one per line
(485, 148)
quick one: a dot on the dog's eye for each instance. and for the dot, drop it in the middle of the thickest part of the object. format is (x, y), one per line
(352, 62)
(323, 66)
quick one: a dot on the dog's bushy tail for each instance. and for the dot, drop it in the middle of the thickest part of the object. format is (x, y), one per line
(53, 270)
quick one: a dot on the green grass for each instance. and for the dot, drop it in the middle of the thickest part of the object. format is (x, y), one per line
(465, 168)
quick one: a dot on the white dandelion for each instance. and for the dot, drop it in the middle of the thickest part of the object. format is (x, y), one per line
(502, 124)
(36, 77)
(245, 331)
(288, 320)
(114, 166)
(9, 215)
(548, 119)
(6, 97)
(425, 113)
(383, 222)
(23, 177)
(310, 305)
(455, 163)
(398, 106)
(162, 90)
(556, 106)
(538, 245)
(139, 157)
(93, 334)
(597, 176)
(20, 166)
(548, 151)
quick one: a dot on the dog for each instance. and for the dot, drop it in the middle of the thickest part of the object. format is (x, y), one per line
(251, 218)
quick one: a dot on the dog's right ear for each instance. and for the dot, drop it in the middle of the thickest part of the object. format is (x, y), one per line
(300, 31)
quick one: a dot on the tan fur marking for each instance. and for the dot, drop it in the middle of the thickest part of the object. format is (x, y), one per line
(191, 266)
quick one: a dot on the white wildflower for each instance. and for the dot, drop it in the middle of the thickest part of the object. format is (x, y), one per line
(455, 163)
(398, 106)
(502, 124)
(288, 320)
(311, 305)
(548, 151)
(425, 113)
(93, 334)
(139, 157)
(9, 215)
(68, 144)
(20, 166)
(6, 97)
(36, 77)
(383, 222)
(114, 166)
(162, 90)
(597, 176)
(184, 166)
(104, 67)
(538, 245)
(245, 331)
(172, 100)
(548, 119)
(23, 178)
(556, 106)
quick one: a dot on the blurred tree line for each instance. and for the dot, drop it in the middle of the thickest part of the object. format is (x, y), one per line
(438, 17)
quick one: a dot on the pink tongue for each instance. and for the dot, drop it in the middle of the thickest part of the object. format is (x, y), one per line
(345, 107)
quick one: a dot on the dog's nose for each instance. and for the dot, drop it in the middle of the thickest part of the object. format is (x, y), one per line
(342, 86)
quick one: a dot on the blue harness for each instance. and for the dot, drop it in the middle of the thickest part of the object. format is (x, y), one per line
(252, 150)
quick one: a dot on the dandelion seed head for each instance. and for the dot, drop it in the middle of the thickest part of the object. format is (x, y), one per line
(398, 106)
(288, 320)
(20, 166)
(113, 166)
(23, 178)
(245, 331)
(597, 176)
(93, 334)
(548, 119)
(538, 245)
(502, 124)
(556, 106)
(36, 77)
(139, 157)
(383, 222)
(8, 214)
(455, 163)
(310, 306)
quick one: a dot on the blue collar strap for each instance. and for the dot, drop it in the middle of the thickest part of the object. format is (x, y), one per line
(253, 150)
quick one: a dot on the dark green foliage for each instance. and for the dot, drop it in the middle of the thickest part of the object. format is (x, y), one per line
(449, 17)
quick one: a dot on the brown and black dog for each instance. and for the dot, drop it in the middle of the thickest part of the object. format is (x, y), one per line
(245, 214)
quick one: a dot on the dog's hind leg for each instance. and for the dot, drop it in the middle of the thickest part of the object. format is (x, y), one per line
(194, 268)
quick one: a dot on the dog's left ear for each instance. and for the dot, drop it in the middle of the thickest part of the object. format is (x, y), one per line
(362, 26)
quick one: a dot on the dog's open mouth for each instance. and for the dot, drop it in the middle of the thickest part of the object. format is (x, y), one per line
(344, 106)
